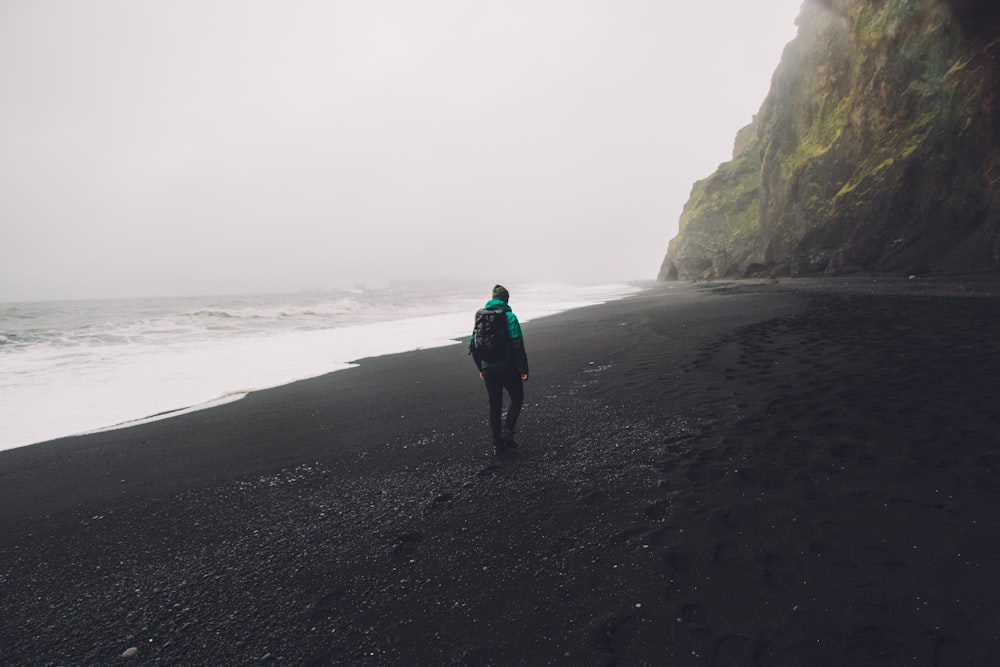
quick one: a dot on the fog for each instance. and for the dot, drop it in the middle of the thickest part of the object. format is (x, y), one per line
(234, 146)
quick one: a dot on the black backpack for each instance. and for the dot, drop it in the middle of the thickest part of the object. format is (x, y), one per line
(490, 335)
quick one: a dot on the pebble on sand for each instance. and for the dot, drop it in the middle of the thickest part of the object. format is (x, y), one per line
(130, 652)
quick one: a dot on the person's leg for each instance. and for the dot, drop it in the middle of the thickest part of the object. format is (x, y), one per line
(494, 388)
(515, 388)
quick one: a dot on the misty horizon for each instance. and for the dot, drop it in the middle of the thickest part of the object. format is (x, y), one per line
(236, 148)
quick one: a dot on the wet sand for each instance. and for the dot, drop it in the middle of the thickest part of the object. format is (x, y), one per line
(793, 473)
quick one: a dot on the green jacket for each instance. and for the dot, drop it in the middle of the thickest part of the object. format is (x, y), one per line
(515, 356)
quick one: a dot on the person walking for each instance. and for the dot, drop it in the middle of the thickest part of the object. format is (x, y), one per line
(497, 348)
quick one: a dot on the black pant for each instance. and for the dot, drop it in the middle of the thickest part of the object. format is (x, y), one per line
(497, 379)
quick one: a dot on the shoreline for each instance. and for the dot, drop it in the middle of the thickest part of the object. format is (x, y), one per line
(797, 472)
(181, 384)
(167, 414)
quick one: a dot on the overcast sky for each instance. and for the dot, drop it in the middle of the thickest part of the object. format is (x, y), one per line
(176, 147)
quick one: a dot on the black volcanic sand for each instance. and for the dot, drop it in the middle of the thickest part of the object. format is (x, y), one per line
(793, 473)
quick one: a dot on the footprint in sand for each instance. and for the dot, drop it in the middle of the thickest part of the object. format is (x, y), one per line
(680, 562)
(776, 572)
(666, 466)
(883, 556)
(696, 471)
(657, 510)
(747, 476)
(406, 544)
(763, 643)
(736, 516)
(724, 552)
(774, 483)
(612, 634)
(732, 650)
(821, 548)
(657, 537)
(694, 616)
(329, 603)
(948, 651)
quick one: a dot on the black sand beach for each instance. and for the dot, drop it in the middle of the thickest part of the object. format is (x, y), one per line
(793, 473)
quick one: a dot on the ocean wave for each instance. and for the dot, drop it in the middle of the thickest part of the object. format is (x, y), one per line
(213, 313)
(14, 341)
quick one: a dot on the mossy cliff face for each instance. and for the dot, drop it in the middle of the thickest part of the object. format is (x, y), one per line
(877, 149)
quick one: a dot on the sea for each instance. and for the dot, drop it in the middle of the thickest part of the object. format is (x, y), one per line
(72, 367)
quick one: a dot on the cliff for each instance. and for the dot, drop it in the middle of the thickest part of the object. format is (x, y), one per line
(876, 149)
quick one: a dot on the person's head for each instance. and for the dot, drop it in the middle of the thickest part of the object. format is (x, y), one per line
(500, 292)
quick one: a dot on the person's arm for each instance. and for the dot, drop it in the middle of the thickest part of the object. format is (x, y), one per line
(520, 356)
(475, 354)
(517, 345)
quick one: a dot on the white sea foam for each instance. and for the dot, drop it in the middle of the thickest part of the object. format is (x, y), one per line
(75, 367)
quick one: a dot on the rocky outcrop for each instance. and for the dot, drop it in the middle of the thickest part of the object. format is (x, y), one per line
(877, 149)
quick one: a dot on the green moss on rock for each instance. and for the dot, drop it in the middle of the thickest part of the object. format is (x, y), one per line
(878, 134)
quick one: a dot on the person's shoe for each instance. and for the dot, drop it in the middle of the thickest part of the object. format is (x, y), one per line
(499, 446)
(507, 437)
